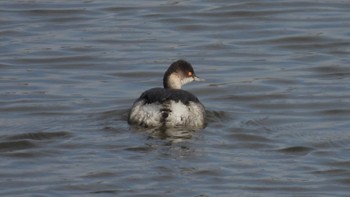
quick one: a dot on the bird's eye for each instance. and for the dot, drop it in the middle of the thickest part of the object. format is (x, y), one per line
(190, 73)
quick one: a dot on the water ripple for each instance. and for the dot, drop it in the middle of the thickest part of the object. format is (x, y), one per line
(277, 98)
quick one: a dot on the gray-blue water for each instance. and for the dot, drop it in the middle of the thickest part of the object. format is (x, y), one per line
(277, 93)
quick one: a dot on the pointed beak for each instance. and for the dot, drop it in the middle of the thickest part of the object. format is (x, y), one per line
(198, 79)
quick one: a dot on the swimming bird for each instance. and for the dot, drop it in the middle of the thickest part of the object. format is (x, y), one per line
(170, 106)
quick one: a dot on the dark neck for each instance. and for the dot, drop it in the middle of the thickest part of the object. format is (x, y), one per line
(165, 79)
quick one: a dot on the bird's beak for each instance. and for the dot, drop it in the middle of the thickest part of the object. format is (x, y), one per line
(197, 78)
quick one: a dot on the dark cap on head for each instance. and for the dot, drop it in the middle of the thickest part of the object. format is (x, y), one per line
(180, 66)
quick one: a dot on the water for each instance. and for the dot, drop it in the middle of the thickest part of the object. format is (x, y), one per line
(277, 95)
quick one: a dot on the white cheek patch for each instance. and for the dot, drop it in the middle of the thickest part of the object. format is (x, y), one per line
(186, 80)
(174, 81)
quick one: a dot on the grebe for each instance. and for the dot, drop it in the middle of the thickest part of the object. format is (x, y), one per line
(170, 107)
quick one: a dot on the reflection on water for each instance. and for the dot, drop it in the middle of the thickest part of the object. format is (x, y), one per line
(277, 98)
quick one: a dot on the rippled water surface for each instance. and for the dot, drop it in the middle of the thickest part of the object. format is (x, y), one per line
(277, 94)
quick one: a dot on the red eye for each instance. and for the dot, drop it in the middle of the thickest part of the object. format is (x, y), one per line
(190, 73)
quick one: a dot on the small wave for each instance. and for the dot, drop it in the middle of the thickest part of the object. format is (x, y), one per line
(16, 145)
(38, 136)
(296, 150)
(250, 138)
(215, 116)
